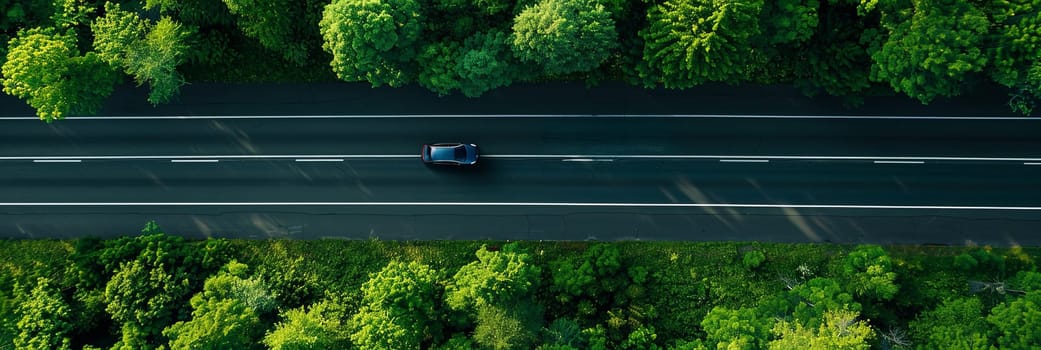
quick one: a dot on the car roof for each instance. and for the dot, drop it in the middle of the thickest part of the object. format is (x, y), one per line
(443, 152)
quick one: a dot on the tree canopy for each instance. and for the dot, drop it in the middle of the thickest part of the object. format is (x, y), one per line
(870, 275)
(495, 278)
(45, 321)
(397, 309)
(282, 26)
(148, 52)
(934, 50)
(481, 63)
(373, 40)
(46, 69)
(690, 42)
(226, 314)
(956, 324)
(564, 36)
(314, 327)
(840, 330)
(219, 294)
(1018, 321)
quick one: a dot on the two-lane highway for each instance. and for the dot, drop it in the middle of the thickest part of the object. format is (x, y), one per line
(924, 180)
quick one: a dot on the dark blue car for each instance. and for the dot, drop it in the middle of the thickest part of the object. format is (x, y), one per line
(450, 154)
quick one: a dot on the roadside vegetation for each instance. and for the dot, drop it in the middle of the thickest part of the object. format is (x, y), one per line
(63, 57)
(153, 290)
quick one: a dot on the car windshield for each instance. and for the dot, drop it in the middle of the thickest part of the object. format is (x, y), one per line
(460, 153)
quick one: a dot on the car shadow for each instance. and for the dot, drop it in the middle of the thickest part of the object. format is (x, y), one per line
(482, 172)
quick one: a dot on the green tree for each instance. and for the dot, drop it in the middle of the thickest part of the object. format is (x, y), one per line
(44, 322)
(933, 51)
(695, 344)
(283, 26)
(789, 21)
(498, 287)
(152, 279)
(397, 309)
(957, 324)
(497, 278)
(574, 279)
(316, 327)
(46, 70)
(155, 60)
(869, 273)
(144, 297)
(597, 337)
(505, 327)
(641, 338)
(1026, 281)
(457, 342)
(491, 7)
(980, 262)
(116, 32)
(148, 52)
(483, 62)
(439, 62)
(564, 36)
(809, 301)
(1018, 35)
(226, 314)
(753, 259)
(596, 276)
(689, 42)
(1016, 55)
(1018, 322)
(68, 14)
(564, 332)
(373, 40)
(839, 330)
(217, 324)
(834, 60)
(8, 311)
(736, 329)
(600, 288)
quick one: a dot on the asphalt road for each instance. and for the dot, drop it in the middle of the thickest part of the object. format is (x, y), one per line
(935, 181)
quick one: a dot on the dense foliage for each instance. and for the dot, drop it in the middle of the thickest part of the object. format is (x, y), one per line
(52, 50)
(564, 36)
(45, 68)
(158, 291)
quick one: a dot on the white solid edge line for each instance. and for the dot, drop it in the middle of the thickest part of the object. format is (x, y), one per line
(761, 157)
(899, 162)
(194, 160)
(1030, 163)
(57, 160)
(318, 160)
(231, 156)
(549, 156)
(528, 204)
(744, 160)
(410, 116)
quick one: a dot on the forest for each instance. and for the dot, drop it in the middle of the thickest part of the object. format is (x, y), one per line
(64, 57)
(159, 291)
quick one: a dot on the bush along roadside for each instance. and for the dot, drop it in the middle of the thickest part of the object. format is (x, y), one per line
(63, 57)
(155, 290)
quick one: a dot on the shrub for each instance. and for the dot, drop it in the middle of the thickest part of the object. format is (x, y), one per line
(869, 273)
(965, 262)
(753, 259)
